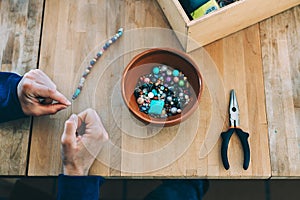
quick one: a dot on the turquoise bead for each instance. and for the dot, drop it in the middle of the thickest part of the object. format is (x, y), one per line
(156, 107)
(175, 72)
(77, 92)
(155, 70)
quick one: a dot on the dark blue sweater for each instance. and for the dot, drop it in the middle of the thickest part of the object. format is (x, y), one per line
(10, 107)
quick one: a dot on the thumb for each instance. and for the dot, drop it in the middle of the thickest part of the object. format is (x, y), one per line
(69, 134)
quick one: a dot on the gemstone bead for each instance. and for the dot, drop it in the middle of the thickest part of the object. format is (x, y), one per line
(150, 95)
(173, 110)
(155, 70)
(99, 54)
(92, 62)
(175, 79)
(140, 100)
(164, 68)
(175, 72)
(181, 83)
(169, 72)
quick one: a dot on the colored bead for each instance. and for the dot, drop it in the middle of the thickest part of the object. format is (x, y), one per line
(77, 92)
(140, 100)
(150, 95)
(181, 83)
(92, 62)
(169, 72)
(99, 54)
(175, 72)
(164, 68)
(173, 110)
(155, 70)
(169, 98)
(154, 92)
(146, 80)
(82, 80)
(175, 79)
(156, 106)
(168, 79)
(178, 110)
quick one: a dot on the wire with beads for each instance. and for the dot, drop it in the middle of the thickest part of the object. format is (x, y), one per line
(88, 69)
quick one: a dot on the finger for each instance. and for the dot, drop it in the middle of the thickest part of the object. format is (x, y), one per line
(69, 135)
(91, 118)
(40, 77)
(46, 92)
(48, 109)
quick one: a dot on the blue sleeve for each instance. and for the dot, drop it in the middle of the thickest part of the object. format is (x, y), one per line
(10, 107)
(79, 187)
(174, 189)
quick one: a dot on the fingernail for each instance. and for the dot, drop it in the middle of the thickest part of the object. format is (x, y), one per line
(73, 117)
(68, 103)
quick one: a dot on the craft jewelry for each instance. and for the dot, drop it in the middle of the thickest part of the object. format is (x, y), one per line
(88, 69)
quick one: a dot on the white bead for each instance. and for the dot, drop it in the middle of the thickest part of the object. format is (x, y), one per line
(150, 95)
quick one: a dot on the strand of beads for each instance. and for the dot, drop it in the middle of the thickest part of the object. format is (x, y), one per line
(88, 69)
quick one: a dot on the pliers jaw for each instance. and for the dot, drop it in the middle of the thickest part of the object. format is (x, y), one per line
(233, 111)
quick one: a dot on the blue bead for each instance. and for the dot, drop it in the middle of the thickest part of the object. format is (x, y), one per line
(113, 39)
(99, 54)
(107, 44)
(92, 62)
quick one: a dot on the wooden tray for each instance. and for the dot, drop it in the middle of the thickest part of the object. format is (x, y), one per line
(222, 22)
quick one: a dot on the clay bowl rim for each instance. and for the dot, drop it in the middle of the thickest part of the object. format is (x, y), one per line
(181, 117)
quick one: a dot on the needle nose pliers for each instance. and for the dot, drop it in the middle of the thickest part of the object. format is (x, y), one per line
(234, 126)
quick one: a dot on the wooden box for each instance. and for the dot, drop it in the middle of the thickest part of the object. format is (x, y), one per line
(220, 23)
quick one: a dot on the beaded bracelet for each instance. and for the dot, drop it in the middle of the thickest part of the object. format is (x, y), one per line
(88, 69)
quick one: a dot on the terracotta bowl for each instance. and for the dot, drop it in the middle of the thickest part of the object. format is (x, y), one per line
(143, 64)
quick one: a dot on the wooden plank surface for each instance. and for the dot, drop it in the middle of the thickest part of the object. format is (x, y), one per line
(20, 25)
(73, 32)
(280, 39)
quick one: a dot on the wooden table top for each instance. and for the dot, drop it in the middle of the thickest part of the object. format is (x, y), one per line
(260, 62)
